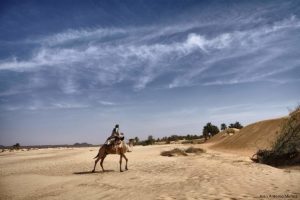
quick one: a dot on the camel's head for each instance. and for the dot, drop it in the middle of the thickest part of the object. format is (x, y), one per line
(131, 143)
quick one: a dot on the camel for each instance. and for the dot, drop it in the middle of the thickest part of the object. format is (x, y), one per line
(106, 149)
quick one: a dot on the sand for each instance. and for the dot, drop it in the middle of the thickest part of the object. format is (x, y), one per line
(65, 174)
(247, 141)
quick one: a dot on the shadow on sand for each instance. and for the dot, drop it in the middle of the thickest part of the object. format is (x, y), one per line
(90, 172)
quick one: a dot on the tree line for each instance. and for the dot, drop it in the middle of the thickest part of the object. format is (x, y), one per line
(208, 131)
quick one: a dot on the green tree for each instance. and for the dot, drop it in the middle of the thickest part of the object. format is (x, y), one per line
(205, 132)
(150, 140)
(236, 125)
(188, 137)
(174, 138)
(17, 146)
(137, 140)
(210, 130)
(223, 126)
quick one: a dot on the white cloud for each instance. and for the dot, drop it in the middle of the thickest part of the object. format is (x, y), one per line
(107, 103)
(219, 42)
(65, 106)
(230, 108)
(73, 35)
(69, 86)
(196, 40)
(239, 44)
(116, 61)
(251, 112)
(41, 106)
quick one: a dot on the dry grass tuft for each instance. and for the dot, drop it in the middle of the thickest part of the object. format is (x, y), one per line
(194, 150)
(182, 152)
(174, 152)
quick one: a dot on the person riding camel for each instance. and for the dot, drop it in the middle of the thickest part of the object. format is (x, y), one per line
(115, 137)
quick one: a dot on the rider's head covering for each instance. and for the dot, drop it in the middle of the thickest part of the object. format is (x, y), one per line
(117, 126)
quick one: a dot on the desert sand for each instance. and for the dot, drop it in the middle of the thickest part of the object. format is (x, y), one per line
(65, 174)
(259, 135)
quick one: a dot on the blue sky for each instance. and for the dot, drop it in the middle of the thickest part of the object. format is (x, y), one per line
(71, 70)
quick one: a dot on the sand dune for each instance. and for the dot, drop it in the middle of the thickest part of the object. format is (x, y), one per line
(247, 141)
(65, 174)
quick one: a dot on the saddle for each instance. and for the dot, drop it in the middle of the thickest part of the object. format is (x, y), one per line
(115, 142)
(118, 144)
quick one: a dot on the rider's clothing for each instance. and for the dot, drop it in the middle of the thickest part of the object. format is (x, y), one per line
(115, 134)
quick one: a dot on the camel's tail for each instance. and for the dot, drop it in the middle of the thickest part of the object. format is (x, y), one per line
(96, 156)
(99, 152)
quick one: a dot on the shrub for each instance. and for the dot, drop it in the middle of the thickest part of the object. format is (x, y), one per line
(286, 148)
(289, 138)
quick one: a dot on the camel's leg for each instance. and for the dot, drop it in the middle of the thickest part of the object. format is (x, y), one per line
(99, 156)
(126, 161)
(101, 163)
(121, 163)
(96, 161)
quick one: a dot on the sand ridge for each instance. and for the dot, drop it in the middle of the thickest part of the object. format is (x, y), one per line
(247, 141)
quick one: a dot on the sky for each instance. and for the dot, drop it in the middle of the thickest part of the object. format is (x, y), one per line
(71, 70)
